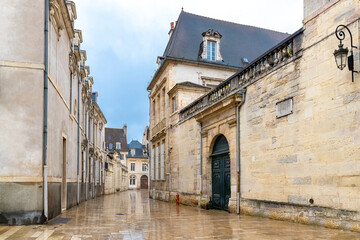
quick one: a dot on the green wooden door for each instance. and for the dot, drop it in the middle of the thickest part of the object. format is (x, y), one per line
(221, 174)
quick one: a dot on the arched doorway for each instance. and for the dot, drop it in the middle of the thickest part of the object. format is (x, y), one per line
(144, 182)
(220, 167)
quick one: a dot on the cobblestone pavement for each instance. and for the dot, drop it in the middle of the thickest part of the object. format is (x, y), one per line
(132, 215)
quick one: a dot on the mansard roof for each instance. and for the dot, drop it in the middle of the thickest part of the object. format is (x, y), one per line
(114, 135)
(238, 41)
(135, 144)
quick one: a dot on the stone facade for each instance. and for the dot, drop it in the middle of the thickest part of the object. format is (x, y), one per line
(74, 147)
(296, 154)
(137, 166)
(116, 174)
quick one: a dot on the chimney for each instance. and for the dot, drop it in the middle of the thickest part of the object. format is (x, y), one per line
(172, 26)
(125, 129)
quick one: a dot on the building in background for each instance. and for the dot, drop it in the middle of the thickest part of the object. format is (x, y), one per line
(201, 53)
(116, 164)
(137, 162)
(51, 127)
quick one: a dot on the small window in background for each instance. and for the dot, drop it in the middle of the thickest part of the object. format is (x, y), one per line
(118, 145)
(132, 167)
(144, 167)
(110, 146)
(132, 180)
(121, 156)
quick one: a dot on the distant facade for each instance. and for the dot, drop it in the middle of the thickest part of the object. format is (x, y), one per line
(201, 53)
(116, 174)
(51, 127)
(116, 164)
(280, 138)
(137, 166)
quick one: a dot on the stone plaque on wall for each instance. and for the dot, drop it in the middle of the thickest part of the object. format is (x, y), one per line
(284, 107)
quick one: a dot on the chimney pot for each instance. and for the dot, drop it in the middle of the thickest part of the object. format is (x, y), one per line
(172, 25)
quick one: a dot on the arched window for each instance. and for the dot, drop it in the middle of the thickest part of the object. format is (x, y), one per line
(132, 179)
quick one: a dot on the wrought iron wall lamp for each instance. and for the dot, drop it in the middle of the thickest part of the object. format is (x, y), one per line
(342, 53)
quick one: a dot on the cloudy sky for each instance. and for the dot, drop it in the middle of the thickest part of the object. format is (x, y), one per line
(124, 37)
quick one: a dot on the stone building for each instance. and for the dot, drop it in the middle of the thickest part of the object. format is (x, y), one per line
(116, 174)
(201, 53)
(137, 162)
(116, 164)
(51, 127)
(280, 138)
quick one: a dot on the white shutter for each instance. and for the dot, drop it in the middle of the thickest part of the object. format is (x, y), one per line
(157, 163)
(152, 166)
(162, 158)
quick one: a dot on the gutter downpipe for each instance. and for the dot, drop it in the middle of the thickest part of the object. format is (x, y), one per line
(238, 161)
(78, 142)
(45, 110)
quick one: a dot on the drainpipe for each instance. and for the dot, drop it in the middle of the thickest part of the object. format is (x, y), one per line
(238, 161)
(201, 164)
(78, 142)
(45, 109)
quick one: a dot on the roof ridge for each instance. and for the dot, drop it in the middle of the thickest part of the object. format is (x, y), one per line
(245, 25)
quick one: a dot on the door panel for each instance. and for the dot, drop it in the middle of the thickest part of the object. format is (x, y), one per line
(221, 190)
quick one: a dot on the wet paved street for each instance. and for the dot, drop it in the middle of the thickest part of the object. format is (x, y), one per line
(132, 215)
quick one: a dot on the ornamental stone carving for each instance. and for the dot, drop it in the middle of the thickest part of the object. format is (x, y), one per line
(55, 17)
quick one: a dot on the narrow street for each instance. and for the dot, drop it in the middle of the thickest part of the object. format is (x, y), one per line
(132, 215)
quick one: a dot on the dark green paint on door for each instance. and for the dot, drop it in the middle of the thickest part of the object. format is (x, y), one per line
(221, 174)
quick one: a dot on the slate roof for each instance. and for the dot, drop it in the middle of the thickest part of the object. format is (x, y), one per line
(238, 41)
(135, 144)
(114, 135)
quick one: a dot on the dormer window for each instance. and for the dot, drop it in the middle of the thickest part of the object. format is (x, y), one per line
(118, 146)
(210, 47)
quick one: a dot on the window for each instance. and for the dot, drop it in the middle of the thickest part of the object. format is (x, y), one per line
(157, 163)
(118, 145)
(132, 180)
(121, 156)
(162, 158)
(132, 167)
(110, 146)
(210, 54)
(174, 104)
(210, 47)
(144, 167)
(132, 152)
(152, 163)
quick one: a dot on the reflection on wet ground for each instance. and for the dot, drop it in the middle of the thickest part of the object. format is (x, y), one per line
(132, 215)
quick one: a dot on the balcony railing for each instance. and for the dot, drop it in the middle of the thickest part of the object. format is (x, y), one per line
(158, 127)
(284, 51)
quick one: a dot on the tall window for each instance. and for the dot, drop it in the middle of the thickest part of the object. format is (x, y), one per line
(210, 51)
(118, 146)
(162, 159)
(173, 104)
(132, 168)
(144, 167)
(110, 146)
(157, 162)
(132, 180)
(152, 172)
